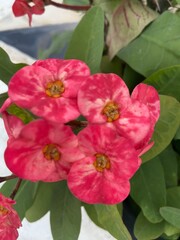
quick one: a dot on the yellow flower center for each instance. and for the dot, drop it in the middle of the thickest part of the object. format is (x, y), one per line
(111, 111)
(54, 89)
(102, 162)
(51, 152)
(3, 210)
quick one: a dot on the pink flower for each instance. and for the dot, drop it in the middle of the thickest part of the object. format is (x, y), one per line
(22, 7)
(42, 151)
(9, 219)
(13, 124)
(105, 99)
(49, 88)
(102, 176)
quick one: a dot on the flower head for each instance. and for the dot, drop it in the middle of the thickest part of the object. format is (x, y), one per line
(22, 7)
(105, 99)
(9, 219)
(102, 176)
(49, 88)
(42, 151)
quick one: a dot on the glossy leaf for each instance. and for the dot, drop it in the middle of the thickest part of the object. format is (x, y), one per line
(65, 214)
(110, 219)
(87, 41)
(166, 126)
(127, 22)
(171, 215)
(157, 47)
(145, 230)
(169, 162)
(21, 113)
(7, 68)
(42, 201)
(166, 81)
(148, 189)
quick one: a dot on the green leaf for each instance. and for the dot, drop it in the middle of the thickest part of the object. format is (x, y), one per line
(148, 189)
(166, 81)
(58, 45)
(169, 162)
(24, 197)
(7, 68)
(91, 211)
(171, 215)
(157, 47)
(65, 214)
(87, 41)
(170, 230)
(3, 97)
(21, 113)
(166, 126)
(173, 197)
(127, 22)
(42, 201)
(145, 230)
(110, 219)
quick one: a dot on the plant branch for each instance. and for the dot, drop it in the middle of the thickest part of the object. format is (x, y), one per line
(15, 190)
(3, 179)
(66, 6)
(77, 124)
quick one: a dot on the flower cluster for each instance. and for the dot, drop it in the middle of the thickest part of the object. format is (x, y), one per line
(9, 219)
(99, 161)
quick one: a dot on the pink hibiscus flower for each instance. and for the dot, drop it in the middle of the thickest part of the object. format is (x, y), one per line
(105, 99)
(23, 7)
(49, 88)
(102, 176)
(9, 219)
(42, 151)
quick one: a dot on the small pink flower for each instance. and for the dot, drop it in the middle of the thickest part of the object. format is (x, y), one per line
(42, 151)
(49, 88)
(9, 219)
(105, 99)
(102, 176)
(23, 7)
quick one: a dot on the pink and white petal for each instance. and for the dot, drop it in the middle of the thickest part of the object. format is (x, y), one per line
(59, 110)
(135, 124)
(93, 187)
(64, 69)
(149, 96)
(27, 86)
(97, 91)
(96, 138)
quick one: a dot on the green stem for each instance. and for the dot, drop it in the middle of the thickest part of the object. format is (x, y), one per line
(66, 6)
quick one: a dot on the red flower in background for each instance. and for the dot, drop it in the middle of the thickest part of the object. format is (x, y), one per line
(9, 219)
(23, 7)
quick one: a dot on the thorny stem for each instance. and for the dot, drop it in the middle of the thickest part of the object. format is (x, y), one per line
(3, 179)
(66, 6)
(77, 124)
(15, 190)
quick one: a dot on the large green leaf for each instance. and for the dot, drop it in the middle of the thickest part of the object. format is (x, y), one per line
(148, 189)
(65, 214)
(126, 23)
(7, 68)
(110, 219)
(166, 81)
(166, 126)
(173, 197)
(170, 230)
(171, 215)
(145, 230)
(42, 201)
(87, 41)
(169, 162)
(157, 47)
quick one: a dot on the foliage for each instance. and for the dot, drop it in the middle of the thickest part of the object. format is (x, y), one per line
(140, 44)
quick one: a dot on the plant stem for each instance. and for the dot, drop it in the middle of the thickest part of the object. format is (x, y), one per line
(3, 179)
(15, 190)
(77, 124)
(66, 6)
